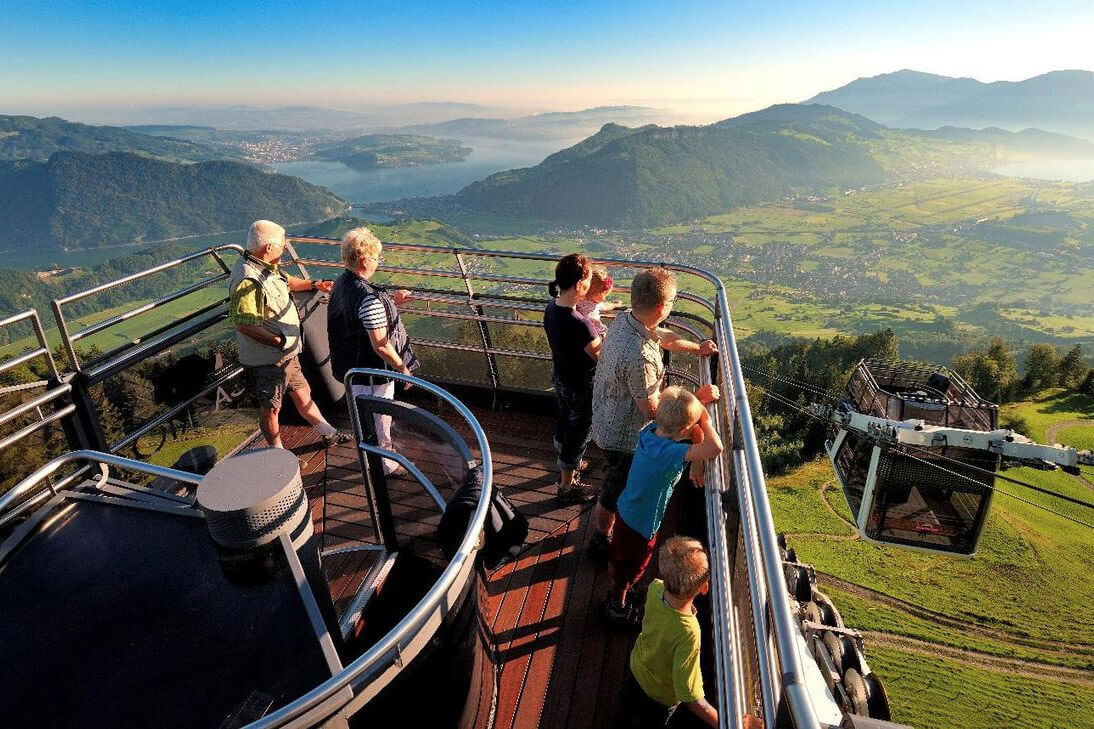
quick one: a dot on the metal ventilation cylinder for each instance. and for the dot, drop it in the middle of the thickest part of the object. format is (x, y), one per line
(249, 500)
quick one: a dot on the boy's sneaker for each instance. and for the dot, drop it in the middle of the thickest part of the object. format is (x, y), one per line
(599, 547)
(621, 616)
(579, 493)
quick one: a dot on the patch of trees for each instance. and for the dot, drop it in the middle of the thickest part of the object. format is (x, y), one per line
(786, 378)
(34, 139)
(993, 371)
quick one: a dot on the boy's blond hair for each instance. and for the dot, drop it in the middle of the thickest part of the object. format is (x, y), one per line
(677, 409)
(650, 288)
(357, 244)
(684, 567)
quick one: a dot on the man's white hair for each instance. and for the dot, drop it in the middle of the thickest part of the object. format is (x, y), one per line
(264, 232)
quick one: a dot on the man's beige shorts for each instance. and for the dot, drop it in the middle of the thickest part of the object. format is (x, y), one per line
(270, 382)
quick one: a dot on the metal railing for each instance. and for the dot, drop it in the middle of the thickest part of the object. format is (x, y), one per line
(42, 475)
(774, 629)
(70, 339)
(369, 673)
(769, 632)
(475, 299)
(34, 405)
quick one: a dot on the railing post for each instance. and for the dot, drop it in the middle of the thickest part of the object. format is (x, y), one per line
(83, 430)
(372, 467)
(484, 330)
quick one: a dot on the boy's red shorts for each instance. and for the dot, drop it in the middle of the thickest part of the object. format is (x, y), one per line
(629, 554)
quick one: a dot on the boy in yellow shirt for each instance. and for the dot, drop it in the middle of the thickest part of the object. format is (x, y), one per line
(664, 665)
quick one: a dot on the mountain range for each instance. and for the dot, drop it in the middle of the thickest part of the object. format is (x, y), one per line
(623, 177)
(77, 200)
(631, 178)
(1059, 101)
(546, 126)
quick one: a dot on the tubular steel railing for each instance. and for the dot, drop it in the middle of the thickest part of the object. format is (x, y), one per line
(373, 670)
(35, 404)
(773, 632)
(69, 339)
(758, 630)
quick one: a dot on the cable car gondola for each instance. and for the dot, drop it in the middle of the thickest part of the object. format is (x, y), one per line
(916, 451)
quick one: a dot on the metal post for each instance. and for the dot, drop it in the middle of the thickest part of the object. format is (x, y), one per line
(484, 331)
(372, 468)
(83, 430)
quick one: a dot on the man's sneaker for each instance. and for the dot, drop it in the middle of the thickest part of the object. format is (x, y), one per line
(579, 493)
(621, 616)
(338, 438)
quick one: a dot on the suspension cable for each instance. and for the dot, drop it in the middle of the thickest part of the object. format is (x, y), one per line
(811, 388)
(904, 449)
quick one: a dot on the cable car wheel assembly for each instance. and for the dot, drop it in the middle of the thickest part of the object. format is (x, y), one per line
(836, 648)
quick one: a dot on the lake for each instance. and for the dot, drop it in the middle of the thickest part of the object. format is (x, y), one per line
(365, 186)
(1073, 170)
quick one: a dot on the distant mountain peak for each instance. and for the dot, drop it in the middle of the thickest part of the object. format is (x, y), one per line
(1059, 101)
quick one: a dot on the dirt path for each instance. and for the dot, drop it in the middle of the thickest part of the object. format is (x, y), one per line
(1050, 437)
(1042, 644)
(1013, 666)
(1053, 430)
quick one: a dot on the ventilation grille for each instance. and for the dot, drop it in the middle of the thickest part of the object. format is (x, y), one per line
(250, 499)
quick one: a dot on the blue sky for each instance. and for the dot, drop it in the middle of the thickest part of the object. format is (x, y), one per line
(721, 56)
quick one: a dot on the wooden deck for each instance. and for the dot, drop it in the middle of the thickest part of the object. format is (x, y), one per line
(560, 666)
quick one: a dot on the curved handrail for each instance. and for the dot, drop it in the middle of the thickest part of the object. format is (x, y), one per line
(760, 541)
(775, 627)
(389, 647)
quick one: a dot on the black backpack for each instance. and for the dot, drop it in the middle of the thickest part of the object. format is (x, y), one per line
(505, 529)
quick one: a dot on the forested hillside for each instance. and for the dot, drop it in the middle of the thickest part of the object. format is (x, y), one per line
(656, 174)
(79, 201)
(34, 139)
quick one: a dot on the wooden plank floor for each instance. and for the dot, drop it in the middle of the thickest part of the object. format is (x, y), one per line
(559, 665)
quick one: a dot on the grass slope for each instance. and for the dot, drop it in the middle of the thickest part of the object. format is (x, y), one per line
(1022, 596)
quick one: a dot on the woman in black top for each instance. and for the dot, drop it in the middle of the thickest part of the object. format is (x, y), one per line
(575, 346)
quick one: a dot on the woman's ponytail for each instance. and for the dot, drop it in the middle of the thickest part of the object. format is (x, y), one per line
(552, 289)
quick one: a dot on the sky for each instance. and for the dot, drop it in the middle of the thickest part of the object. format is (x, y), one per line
(706, 58)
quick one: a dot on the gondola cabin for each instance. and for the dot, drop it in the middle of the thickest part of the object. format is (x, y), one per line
(933, 498)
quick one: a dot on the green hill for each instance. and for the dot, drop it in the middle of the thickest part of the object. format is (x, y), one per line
(633, 178)
(373, 151)
(79, 201)
(31, 138)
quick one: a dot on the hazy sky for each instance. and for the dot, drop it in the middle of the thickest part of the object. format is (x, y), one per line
(709, 57)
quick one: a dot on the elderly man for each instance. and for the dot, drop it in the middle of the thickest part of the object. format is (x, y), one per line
(628, 383)
(268, 331)
(365, 330)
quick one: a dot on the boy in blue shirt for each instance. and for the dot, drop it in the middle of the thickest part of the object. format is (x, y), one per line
(681, 432)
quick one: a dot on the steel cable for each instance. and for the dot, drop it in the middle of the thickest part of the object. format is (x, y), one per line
(906, 448)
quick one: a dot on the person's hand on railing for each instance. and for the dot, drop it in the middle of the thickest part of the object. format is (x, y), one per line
(400, 297)
(324, 286)
(698, 473)
(708, 394)
(707, 347)
(406, 371)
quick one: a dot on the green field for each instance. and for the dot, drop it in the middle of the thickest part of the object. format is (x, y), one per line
(1020, 600)
(985, 255)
